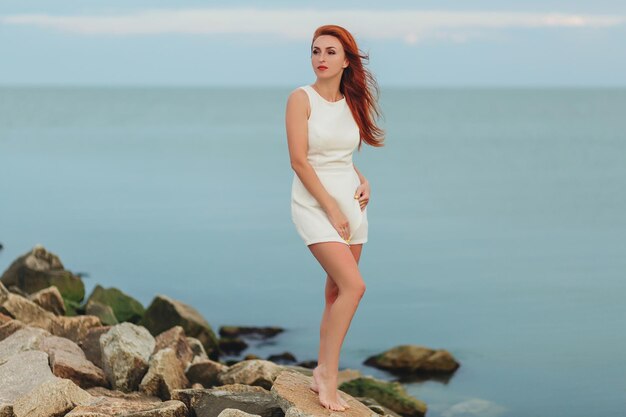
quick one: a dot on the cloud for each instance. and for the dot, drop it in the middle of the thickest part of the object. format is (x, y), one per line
(410, 26)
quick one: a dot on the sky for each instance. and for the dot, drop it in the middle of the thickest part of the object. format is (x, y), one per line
(245, 43)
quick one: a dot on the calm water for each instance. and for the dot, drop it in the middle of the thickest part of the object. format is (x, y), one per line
(497, 227)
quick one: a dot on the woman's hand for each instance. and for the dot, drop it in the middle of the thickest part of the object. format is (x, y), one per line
(363, 194)
(339, 221)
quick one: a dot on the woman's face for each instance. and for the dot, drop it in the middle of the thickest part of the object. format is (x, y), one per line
(328, 52)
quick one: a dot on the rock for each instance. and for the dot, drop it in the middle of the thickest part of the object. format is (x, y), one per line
(28, 338)
(175, 338)
(377, 408)
(205, 372)
(126, 349)
(5, 318)
(49, 299)
(39, 269)
(251, 372)
(102, 311)
(165, 374)
(232, 345)
(285, 357)
(20, 374)
(105, 406)
(52, 398)
(17, 290)
(165, 313)
(259, 332)
(295, 398)
(413, 359)
(211, 402)
(25, 310)
(10, 327)
(343, 375)
(135, 396)
(74, 328)
(197, 348)
(311, 364)
(90, 344)
(125, 307)
(388, 394)
(233, 412)
(68, 360)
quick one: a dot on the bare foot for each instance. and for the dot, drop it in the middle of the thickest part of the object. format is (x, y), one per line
(328, 396)
(315, 389)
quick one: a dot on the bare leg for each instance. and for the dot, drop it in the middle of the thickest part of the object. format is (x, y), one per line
(339, 262)
(331, 292)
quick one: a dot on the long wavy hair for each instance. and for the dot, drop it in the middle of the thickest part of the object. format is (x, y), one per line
(357, 85)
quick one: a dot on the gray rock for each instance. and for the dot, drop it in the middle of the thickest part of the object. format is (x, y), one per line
(25, 339)
(21, 373)
(251, 372)
(211, 402)
(108, 406)
(51, 398)
(126, 349)
(233, 412)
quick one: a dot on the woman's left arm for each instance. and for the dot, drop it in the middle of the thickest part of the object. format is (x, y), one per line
(363, 190)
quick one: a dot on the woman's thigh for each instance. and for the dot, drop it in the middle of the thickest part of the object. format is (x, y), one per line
(340, 262)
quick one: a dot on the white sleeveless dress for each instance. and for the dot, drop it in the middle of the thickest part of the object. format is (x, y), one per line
(333, 137)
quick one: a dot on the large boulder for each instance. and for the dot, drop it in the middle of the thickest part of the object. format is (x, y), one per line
(414, 359)
(125, 307)
(39, 269)
(292, 392)
(126, 350)
(165, 313)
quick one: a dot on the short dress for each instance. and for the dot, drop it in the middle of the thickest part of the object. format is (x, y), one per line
(333, 137)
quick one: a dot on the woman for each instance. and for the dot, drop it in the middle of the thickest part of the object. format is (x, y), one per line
(325, 122)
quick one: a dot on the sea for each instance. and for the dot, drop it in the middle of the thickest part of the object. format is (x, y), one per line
(497, 227)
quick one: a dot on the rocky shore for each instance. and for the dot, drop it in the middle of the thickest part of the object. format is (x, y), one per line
(108, 355)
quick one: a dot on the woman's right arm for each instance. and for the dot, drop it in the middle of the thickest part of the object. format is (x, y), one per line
(296, 121)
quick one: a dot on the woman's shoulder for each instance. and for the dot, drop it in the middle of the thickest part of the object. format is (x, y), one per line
(300, 95)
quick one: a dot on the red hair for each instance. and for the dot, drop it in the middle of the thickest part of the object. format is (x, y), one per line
(357, 85)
